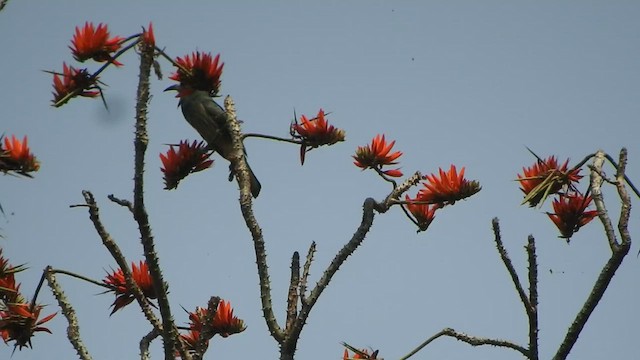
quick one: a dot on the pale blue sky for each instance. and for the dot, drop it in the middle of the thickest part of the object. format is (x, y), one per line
(459, 82)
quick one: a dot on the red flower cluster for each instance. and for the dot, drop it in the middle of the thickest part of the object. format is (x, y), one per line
(199, 72)
(545, 178)
(571, 213)
(16, 156)
(188, 159)
(377, 155)
(447, 189)
(358, 354)
(223, 324)
(18, 319)
(71, 83)
(314, 133)
(94, 43)
(422, 212)
(124, 295)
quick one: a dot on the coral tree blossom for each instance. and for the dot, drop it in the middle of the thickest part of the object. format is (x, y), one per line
(423, 213)
(571, 213)
(124, 295)
(71, 83)
(545, 178)
(378, 154)
(90, 42)
(19, 321)
(448, 188)
(189, 158)
(223, 323)
(315, 132)
(199, 71)
(16, 156)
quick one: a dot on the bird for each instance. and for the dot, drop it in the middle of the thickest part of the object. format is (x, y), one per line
(210, 121)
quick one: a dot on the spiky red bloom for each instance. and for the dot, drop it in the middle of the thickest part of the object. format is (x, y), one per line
(449, 188)
(571, 213)
(148, 37)
(189, 158)
(199, 72)
(94, 43)
(16, 156)
(124, 295)
(377, 155)
(190, 340)
(71, 83)
(18, 322)
(223, 324)
(423, 213)
(314, 133)
(359, 354)
(545, 178)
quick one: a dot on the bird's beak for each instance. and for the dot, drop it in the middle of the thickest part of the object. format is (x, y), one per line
(175, 87)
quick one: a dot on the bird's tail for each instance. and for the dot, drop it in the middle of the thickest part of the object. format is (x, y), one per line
(255, 184)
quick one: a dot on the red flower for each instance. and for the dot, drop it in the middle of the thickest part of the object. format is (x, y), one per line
(545, 178)
(20, 321)
(314, 133)
(190, 341)
(124, 295)
(224, 323)
(377, 155)
(447, 189)
(570, 213)
(94, 43)
(148, 37)
(199, 72)
(189, 158)
(423, 213)
(16, 156)
(358, 354)
(74, 82)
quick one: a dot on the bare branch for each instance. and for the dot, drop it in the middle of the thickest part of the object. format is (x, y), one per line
(305, 272)
(145, 342)
(170, 334)
(292, 295)
(73, 330)
(533, 298)
(507, 263)
(121, 202)
(471, 340)
(242, 175)
(618, 250)
(114, 250)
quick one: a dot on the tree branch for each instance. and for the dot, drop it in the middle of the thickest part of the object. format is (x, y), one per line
(618, 250)
(73, 330)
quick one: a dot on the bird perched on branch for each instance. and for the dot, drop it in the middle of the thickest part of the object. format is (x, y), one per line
(210, 120)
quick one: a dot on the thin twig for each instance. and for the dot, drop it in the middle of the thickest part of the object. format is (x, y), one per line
(471, 340)
(270, 137)
(533, 298)
(145, 342)
(78, 276)
(121, 202)
(116, 253)
(633, 187)
(306, 271)
(507, 263)
(73, 330)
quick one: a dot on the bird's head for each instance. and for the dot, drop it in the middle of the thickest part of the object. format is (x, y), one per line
(182, 90)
